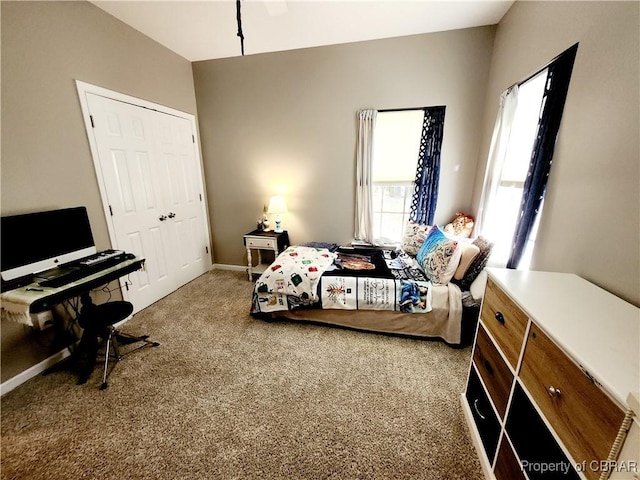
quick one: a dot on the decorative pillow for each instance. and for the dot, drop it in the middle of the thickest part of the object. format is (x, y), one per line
(439, 256)
(414, 235)
(478, 263)
(469, 253)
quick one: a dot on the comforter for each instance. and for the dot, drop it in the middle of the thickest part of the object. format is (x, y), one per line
(305, 279)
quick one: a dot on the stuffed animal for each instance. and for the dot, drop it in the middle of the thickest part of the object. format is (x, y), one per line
(461, 226)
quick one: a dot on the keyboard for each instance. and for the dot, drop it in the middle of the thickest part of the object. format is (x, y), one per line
(100, 257)
(84, 267)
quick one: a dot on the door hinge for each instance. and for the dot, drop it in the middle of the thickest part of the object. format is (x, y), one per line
(110, 210)
(193, 138)
(200, 195)
(92, 124)
(206, 249)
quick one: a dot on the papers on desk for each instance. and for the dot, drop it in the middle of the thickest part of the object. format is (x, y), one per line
(14, 316)
(15, 304)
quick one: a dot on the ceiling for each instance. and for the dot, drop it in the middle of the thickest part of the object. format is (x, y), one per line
(207, 29)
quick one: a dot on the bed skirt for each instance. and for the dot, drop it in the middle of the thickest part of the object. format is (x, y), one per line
(386, 322)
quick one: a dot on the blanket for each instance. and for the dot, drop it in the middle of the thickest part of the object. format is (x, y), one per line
(359, 279)
(296, 272)
(365, 293)
(396, 286)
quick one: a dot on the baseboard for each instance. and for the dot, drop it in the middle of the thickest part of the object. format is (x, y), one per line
(224, 266)
(31, 372)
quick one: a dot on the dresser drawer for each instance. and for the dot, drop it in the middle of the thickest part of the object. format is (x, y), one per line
(261, 242)
(534, 443)
(484, 417)
(507, 465)
(583, 416)
(506, 322)
(493, 370)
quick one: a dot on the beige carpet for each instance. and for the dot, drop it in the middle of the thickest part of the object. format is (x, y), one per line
(229, 397)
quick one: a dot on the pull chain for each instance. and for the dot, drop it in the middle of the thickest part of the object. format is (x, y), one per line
(239, 19)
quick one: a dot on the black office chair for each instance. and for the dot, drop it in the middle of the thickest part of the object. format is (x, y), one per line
(102, 322)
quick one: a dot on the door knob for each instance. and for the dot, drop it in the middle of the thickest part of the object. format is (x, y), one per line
(162, 218)
(171, 214)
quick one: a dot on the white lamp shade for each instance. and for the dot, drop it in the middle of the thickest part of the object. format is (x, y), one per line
(277, 205)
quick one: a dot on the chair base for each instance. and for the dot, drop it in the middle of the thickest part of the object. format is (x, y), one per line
(99, 322)
(117, 338)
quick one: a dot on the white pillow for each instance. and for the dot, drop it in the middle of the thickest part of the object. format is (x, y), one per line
(413, 238)
(478, 286)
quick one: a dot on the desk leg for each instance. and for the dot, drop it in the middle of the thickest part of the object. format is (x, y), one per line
(87, 351)
(249, 263)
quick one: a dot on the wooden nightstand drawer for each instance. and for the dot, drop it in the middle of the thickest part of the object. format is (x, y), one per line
(493, 370)
(583, 416)
(261, 242)
(505, 321)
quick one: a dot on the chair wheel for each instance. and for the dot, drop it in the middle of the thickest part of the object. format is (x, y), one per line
(155, 344)
(104, 386)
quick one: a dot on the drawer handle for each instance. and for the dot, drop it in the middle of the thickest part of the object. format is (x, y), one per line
(500, 317)
(475, 407)
(553, 391)
(488, 366)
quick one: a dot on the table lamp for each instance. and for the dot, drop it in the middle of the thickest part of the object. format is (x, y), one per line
(277, 205)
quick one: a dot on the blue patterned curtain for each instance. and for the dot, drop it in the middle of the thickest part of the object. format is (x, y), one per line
(425, 193)
(535, 184)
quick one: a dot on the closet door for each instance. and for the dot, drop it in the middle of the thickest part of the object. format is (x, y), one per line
(179, 173)
(150, 179)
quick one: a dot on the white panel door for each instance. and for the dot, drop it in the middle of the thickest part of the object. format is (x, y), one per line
(180, 172)
(152, 183)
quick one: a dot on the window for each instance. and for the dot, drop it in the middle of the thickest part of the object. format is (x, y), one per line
(396, 143)
(397, 171)
(503, 209)
(520, 161)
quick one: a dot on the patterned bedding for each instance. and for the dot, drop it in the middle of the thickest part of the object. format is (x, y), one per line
(348, 279)
(296, 272)
(307, 279)
(365, 289)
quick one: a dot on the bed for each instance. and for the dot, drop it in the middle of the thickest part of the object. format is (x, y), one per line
(369, 289)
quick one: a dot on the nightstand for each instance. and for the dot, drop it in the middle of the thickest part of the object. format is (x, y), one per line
(260, 240)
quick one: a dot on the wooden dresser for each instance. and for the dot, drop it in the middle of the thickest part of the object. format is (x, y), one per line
(554, 378)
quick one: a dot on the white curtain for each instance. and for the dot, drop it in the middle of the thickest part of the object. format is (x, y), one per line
(364, 161)
(497, 152)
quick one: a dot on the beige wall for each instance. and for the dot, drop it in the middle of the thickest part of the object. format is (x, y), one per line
(590, 225)
(46, 161)
(286, 123)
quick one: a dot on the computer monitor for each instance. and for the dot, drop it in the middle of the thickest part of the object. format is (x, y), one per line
(33, 242)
